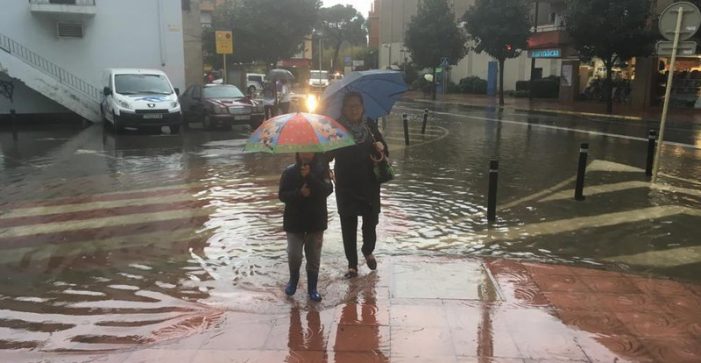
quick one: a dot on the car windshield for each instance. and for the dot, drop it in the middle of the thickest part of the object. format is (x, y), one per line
(132, 84)
(320, 75)
(222, 92)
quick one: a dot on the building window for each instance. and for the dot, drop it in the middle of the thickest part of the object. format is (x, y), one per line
(185, 5)
(63, 2)
(69, 30)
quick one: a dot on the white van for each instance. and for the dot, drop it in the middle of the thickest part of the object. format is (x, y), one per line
(140, 98)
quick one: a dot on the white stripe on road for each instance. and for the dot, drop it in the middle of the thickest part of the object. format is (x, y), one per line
(610, 188)
(664, 258)
(69, 208)
(58, 227)
(560, 128)
(44, 252)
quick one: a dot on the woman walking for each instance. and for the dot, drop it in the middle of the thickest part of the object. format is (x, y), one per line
(357, 189)
(304, 187)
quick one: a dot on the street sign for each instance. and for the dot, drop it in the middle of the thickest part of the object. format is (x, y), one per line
(224, 42)
(444, 62)
(685, 48)
(691, 20)
(546, 53)
(347, 61)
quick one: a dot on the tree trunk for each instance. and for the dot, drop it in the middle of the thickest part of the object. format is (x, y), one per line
(433, 85)
(336, 50)
(501, 81)
(608, 87)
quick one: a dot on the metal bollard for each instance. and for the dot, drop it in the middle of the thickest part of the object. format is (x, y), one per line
(581, 170)
(492, 194)
(405, 119)
(651, 145)
(423, 127)
(13, 124)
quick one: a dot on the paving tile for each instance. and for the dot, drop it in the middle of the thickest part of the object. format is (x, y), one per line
(357, 357)
(362, 314)
(403, 358)
(418, 315)
(619, 285)
(593, 272)
(303, 331)
(489, 360)
(484, 340)
(681, 305)
(243, 336)
(163, 355)
(627, 302)
(417, 342)
(613, 348)
(647, 324)
(560, 283)
(659, 287)
(516, 284)
(601, 322)
(257, 356)
(539, 334)
(361, 338)
(680, 350)
(454, 280)
(573, 300)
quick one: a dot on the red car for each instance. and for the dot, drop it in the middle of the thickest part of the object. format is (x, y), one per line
(219, 105)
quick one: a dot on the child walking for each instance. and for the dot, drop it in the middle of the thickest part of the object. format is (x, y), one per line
(304, 187)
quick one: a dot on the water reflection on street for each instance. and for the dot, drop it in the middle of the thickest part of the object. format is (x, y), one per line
(110, 240)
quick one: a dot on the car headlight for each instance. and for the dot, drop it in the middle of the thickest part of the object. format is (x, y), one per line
(220, 109)
(311, 103)
(173, 105)
(124, 104)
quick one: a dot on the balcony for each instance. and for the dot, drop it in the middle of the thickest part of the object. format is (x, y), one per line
(81, 8)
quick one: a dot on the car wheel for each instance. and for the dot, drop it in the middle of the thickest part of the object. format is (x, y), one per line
(115, 124)
(207, 123)
(174, 129)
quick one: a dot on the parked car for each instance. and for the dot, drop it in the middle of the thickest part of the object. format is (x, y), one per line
(255, 82)
(220, 105)
(318, 79)
(139, 98)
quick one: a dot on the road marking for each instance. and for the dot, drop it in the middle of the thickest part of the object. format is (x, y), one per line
(602, 220)
(597, 189)
(665, 258)
(59, 227)
(36, 211)
(560, 128)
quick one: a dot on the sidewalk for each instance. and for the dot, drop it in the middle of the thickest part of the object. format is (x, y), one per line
(440, 309)
(579, 108)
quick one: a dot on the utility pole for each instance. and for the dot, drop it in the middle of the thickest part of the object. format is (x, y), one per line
(535, 30)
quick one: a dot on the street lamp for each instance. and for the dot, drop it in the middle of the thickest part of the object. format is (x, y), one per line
(319, 34)
(389, 54)
(404, 51)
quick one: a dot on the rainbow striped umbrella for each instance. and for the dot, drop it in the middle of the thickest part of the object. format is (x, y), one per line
(299, 132)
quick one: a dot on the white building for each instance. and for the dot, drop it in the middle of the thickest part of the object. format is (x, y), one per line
(56, 50)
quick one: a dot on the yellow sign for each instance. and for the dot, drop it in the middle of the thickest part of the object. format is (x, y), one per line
(225, 42)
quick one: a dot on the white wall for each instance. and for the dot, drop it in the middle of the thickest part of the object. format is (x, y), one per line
(517, 69)
(28, 100)
(123, 33)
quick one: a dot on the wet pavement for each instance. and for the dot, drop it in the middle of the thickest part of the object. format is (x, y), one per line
(148, 244)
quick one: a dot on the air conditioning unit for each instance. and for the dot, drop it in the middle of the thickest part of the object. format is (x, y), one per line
(69, 30)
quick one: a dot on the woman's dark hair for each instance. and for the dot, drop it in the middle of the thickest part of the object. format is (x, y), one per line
(350, 95)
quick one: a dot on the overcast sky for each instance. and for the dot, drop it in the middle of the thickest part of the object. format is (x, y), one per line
(363, 6)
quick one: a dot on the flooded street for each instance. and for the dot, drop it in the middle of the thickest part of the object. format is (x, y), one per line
(110, 240)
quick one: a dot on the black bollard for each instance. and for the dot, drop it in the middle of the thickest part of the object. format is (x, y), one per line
(492, 194)
(405, 119)
(581, 170)
(13, 124)
(423, 127)
(651, 145)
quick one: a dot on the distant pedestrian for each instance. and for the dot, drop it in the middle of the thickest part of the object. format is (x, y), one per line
(304, 187)
(357, 188)
(284, 96)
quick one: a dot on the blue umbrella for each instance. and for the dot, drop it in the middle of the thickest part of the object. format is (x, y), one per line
(380, 90)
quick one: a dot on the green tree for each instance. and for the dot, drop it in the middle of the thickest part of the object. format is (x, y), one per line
(264, 30)
(613, 31)
(500, 28)
(340, 24)
(433, 34)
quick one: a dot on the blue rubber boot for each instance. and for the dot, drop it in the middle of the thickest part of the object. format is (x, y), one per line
(312, 279)
(291, 287)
